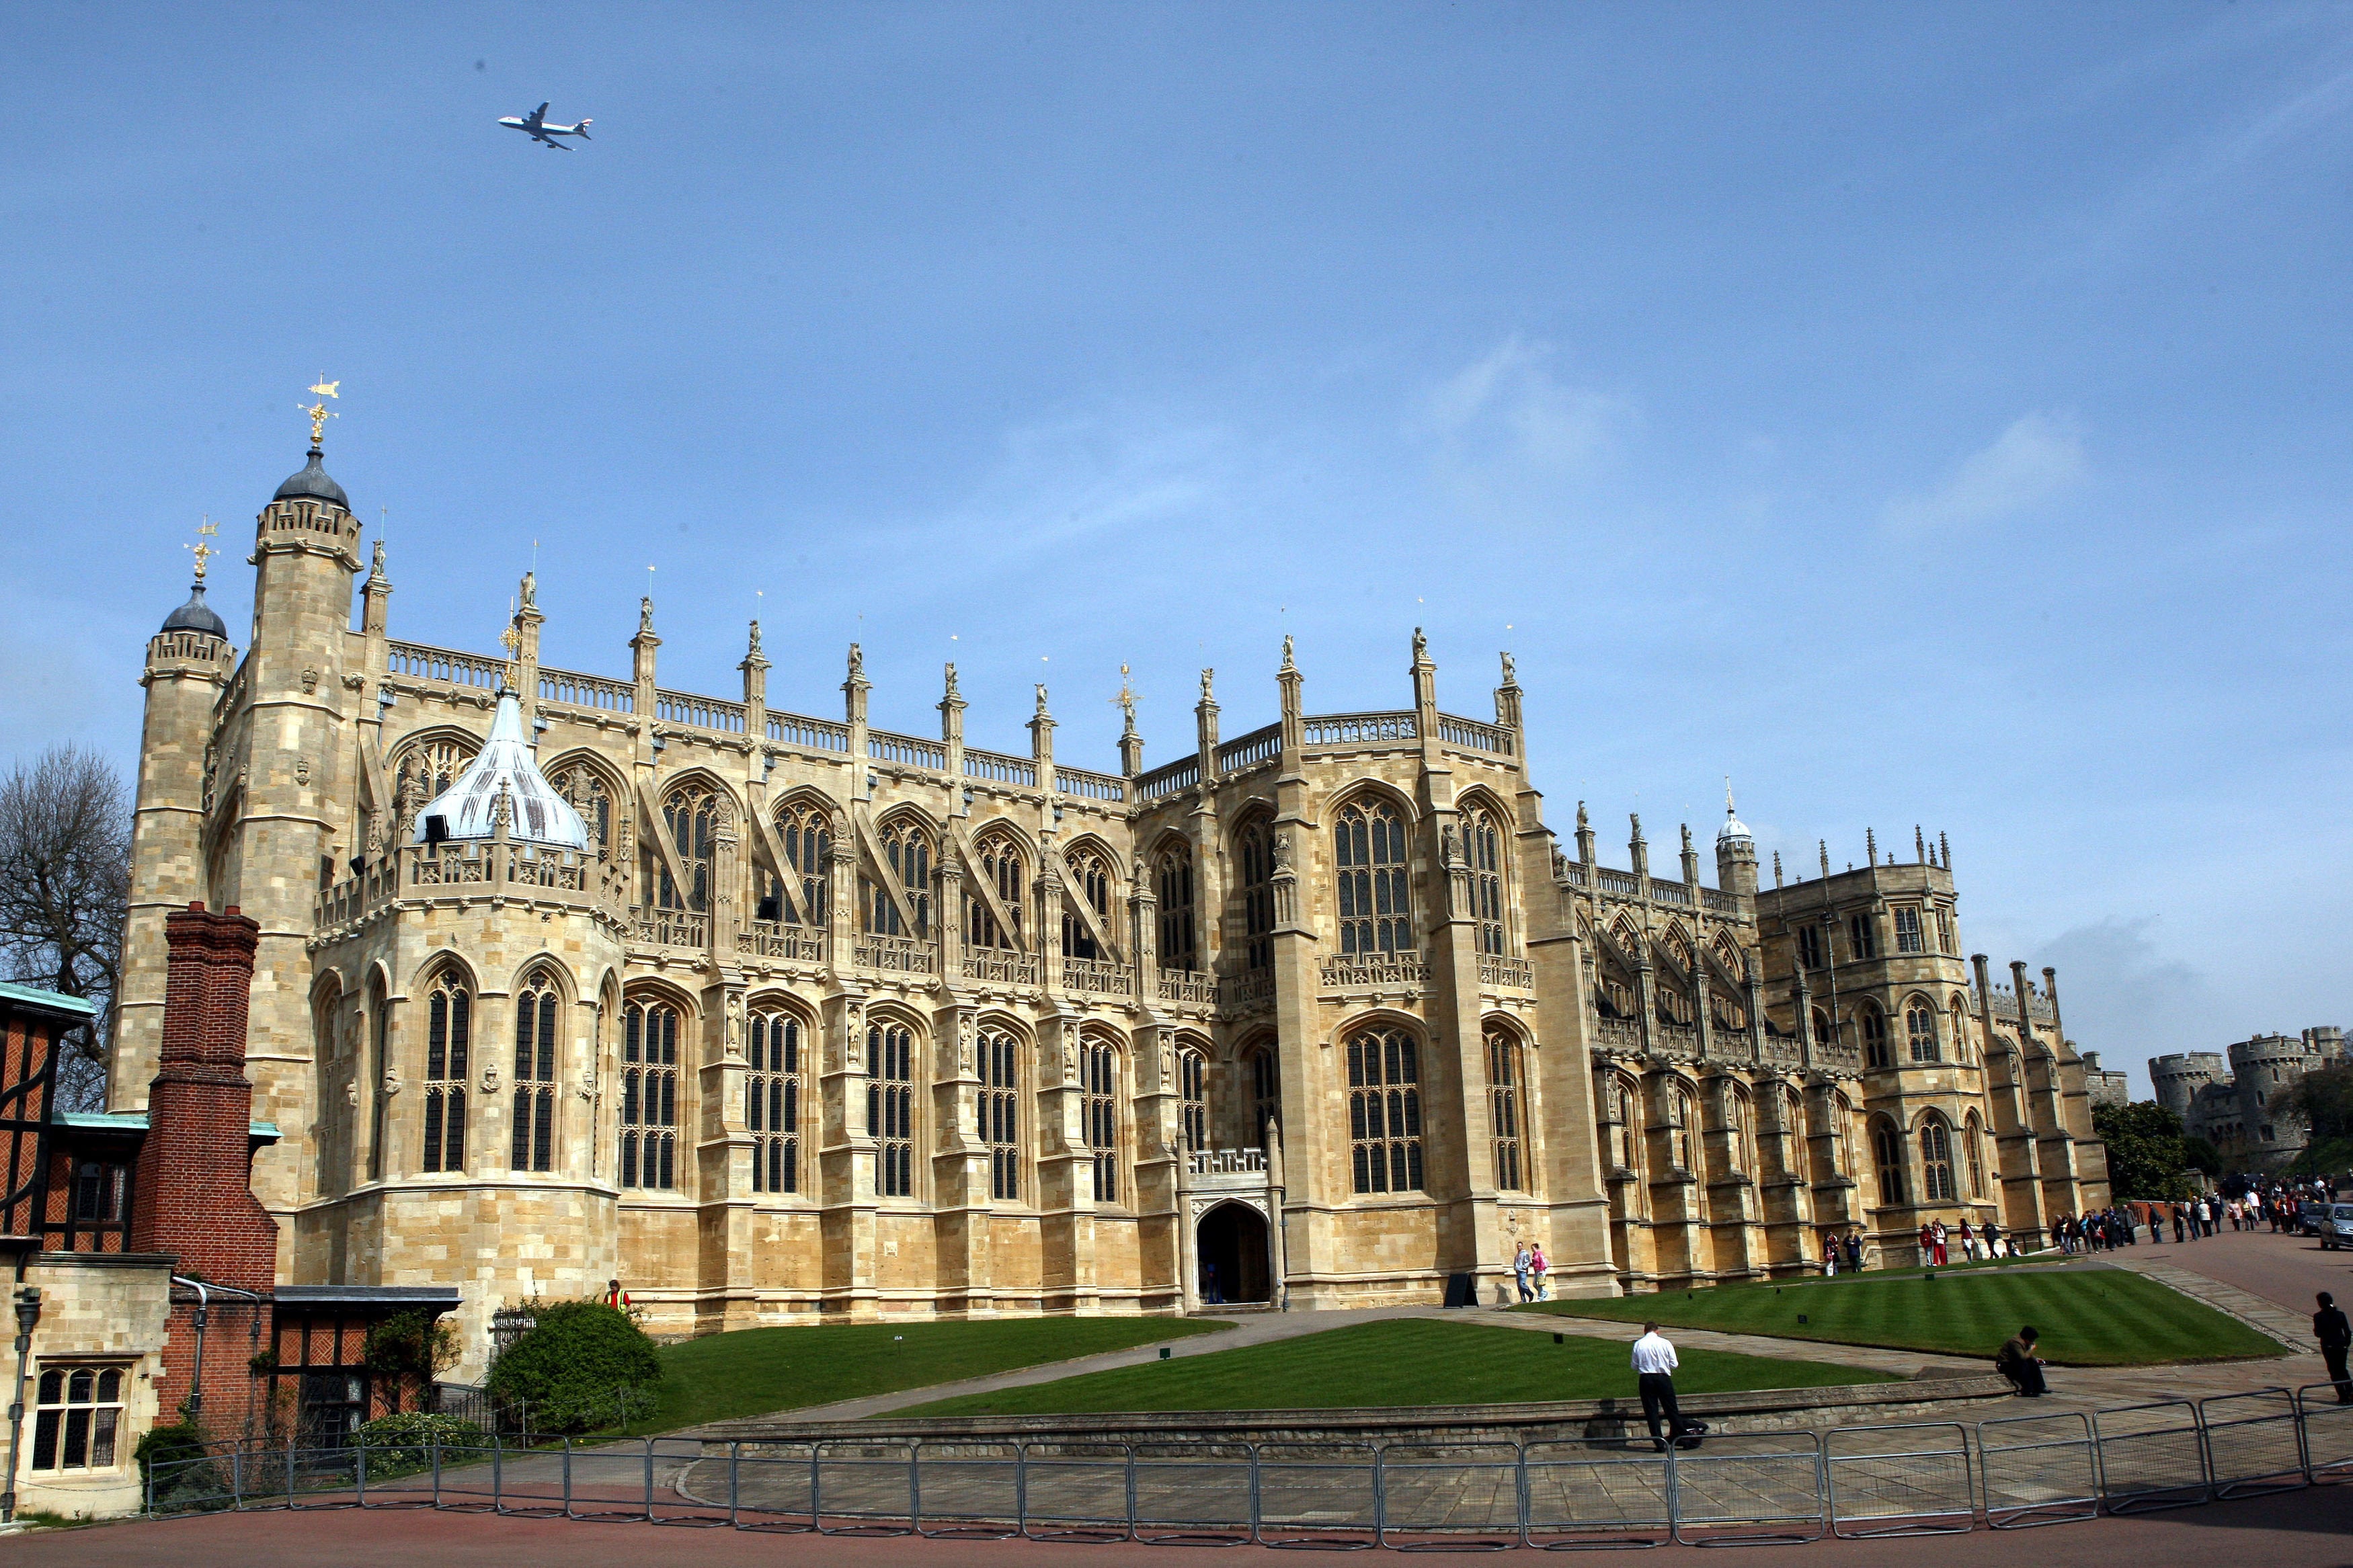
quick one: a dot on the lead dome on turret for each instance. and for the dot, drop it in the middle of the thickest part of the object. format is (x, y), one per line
(1734, 830)
(312, 484)
(196, 615)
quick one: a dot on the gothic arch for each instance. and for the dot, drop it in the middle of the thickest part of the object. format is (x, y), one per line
(809, 798)
(429, 969)
(653, 988)
(567, 985)
(772, 999)
(1359, 791)
(1487, 800)
(1094, 843)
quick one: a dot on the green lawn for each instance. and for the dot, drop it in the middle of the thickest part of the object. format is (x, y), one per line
(1399, 1362)
(2089, 1317)
(754, 1371)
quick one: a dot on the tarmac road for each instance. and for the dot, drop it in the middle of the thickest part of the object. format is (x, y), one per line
(2286, 1269)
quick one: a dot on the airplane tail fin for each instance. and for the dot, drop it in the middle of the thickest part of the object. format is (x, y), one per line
(583, 129)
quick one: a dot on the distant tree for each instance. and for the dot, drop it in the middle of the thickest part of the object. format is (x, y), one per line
(2145, 1157)
(2326, 1099)
(65, 886)
(2202, 1155)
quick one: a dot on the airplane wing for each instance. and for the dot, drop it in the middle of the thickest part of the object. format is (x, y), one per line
(540, 113)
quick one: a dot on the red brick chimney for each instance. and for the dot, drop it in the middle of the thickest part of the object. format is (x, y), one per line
(193, 1193)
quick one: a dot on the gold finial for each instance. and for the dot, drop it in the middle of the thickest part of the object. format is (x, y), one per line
(318, 412)
(513, 639)
(201, 550)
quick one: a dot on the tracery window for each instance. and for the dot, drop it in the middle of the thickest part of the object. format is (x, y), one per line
(537, 1008)
(1937, 1162)
(1099, 1078)
(1001, 866)
(1613, 997)
(423, 771)
(1193, 1098)
(1504, 1108)
(1875, 1038)
(1483, 851)
(649, 1095)
(1629, 1129)
(690, 817)
(1255, 847)
(1727, 1011)
(448, 1035)
(1920, 1027)
(1809, 947)
(1180, 945)
(1384, 1112)
(806, 833)
(1369, 862)
(890, 1107)
(1945, 932)
(378, 1024)
(78, 1417)
(1907, 930)
(1975, 1159)
(1887, 1146)
(1794, 1151)
(583, 786)
(1863, 936)
(1266, 1094)
(1825, 1032)
(1686, 1134)
(1091, 880)
(772, 1102)
(1841, 1130)
(1739, 1130)
(1000, 1113)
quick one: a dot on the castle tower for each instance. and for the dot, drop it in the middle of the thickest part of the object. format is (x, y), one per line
(1735, 855)
(188, 662)
(2178, 1077)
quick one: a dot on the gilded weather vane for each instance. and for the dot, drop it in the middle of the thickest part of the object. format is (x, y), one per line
(319, 411)
(200, 549)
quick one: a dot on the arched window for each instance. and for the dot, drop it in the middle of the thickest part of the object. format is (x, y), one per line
(1740, 1128)
(772, 1102)
(890, 1107)
(1875, 1038)
(1483, 851)
(1887, 1147)
(537, 1007)
(1099, 1077)
(1266, 1095)
(378, 1022)
(1686, 1129)
(1975, 1158)
(649, 1095)
(1091, 880)
(1193, 1095)
(1255, 847)
(1614, 995)
(1841, 1132)
(1630, 1127)
(1384, 1112)
(1937, 1162)
(1920, 1026)
(1504, 1108)
(805, 832)
(1824, 1035)
(907, 850)
(1795, 1150)
(1000, 866)
(1369, 861)
(690, 817)
(78, 1418)
(423, 771)
(583, 784)
(1000, 1113)
(448, 1036)
(1180, 942)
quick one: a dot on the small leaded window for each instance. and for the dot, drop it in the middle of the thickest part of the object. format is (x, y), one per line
(1874, 1039)
(1920, 1026)
(1099, 1077)
(1193, 1095)
(1937, 1162)
(1504, 1108)
(649, 1095)
(1888, 1149)
(585, 788)
(1863, 937)
(1000, 1113)
(1257, 854)
(1384, 1112)
(1907, 930)
(537, 1007)
(1266, 1094)
(1369, 857)
(78, 1417)
(1944, 931)
(1482, 848)
(772, 1102)
(449, 1034)
(890, 1108)
(1809, 947)
(1180, 939)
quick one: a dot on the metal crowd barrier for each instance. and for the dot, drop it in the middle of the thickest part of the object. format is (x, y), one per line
(1889, 1481)
(1739, 1489)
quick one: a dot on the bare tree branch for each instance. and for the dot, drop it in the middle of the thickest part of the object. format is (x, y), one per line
(65, 882)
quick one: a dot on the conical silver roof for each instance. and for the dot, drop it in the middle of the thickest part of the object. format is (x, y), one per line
(468, 807)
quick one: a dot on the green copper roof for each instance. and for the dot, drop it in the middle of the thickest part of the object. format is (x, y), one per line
(57, 1002)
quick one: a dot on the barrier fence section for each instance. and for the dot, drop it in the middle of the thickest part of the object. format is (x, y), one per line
(1739, 1489)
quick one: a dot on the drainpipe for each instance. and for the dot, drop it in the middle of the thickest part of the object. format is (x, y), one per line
(204, 1313)
(28, 1312)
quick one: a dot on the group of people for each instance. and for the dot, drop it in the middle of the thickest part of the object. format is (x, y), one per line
(1528, 1268)
(1978, 1244)
(2098, 1230)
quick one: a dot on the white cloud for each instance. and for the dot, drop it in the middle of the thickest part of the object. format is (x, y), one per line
(2036, 458)
(1508, 410)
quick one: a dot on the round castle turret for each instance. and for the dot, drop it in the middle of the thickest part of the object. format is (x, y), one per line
(2178, 1077)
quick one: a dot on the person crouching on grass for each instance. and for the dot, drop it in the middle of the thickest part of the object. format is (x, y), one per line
(2017, 1362)
(1654, 1373)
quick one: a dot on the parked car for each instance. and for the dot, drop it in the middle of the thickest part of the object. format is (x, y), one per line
(2311, 1219)
(2339, 1230)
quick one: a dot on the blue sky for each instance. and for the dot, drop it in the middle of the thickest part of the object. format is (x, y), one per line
(1921, 415)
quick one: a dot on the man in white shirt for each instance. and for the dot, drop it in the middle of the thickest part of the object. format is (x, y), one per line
(1654, 1371)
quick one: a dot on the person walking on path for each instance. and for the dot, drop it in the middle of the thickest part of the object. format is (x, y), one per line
(2017, 1362)
(1937, 1241)
(1855, 1254)
(1520, 1272)
(2334, 1334)
(1993, 1238)
(1968, 1243)
(1654, 1373)
(1538, 1267)
(2177, 1227)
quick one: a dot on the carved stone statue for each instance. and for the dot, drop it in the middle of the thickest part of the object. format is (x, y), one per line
(1282, 847)
(856, 662)
(391, 1081)
(1449, 850)
(755, 637)
(1206, 676)
(1287, 663)
(646, 613)
(1511, 672)
(588, 1088)
(952, 681)
(1420, 645)
(376, 569)
(735, 1030)
(531, 590)
(491, 1078)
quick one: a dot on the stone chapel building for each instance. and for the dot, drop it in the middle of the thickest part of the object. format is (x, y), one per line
(777, 1018)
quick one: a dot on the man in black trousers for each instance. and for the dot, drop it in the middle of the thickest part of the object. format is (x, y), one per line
(2334, 1334)
(1654, 1372)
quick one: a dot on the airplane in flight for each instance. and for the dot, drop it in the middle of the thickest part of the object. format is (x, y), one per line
(537, 124)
